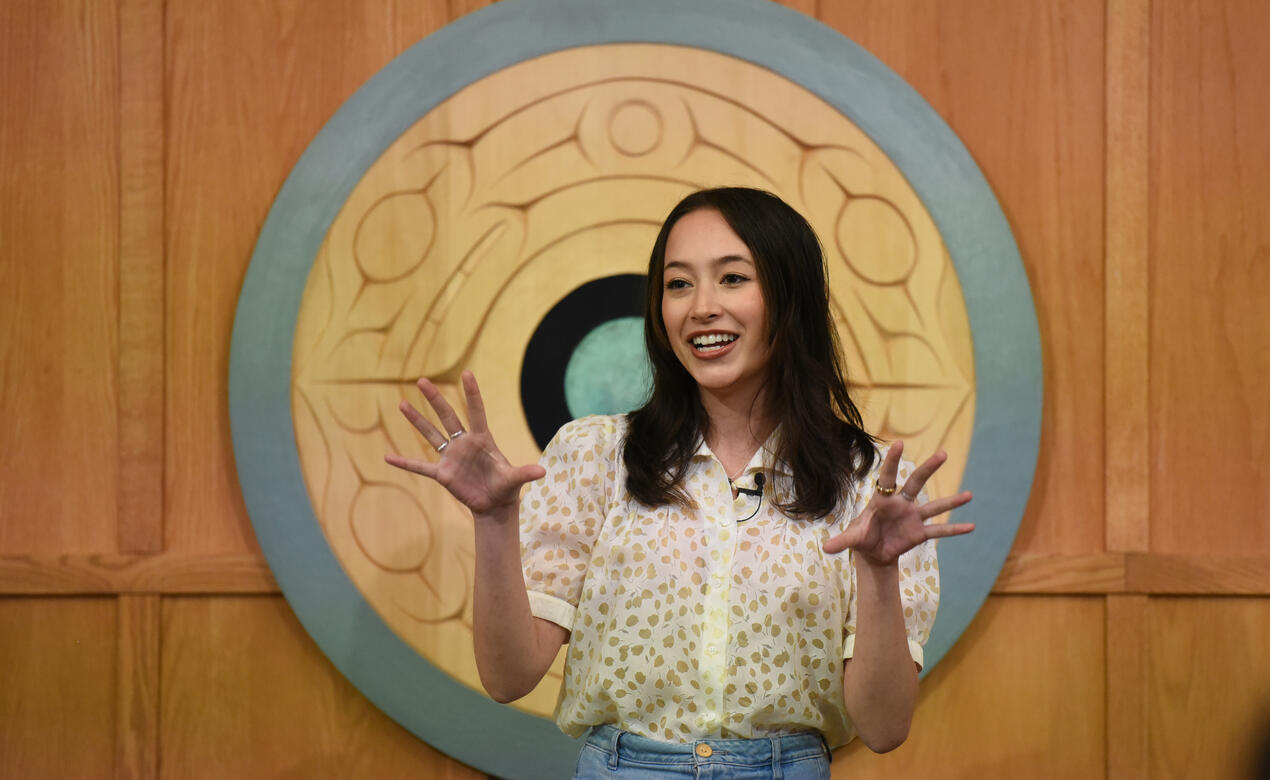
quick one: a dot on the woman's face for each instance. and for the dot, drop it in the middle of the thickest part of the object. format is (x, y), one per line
(712, 306)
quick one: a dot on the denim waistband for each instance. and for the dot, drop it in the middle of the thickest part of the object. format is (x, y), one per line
(742, 752)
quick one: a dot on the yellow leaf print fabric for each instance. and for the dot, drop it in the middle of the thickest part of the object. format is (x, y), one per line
(692, 625)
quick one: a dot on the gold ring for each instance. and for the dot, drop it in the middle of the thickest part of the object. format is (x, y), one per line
(877, 488)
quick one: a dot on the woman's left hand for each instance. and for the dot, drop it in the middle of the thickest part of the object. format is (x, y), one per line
(891, 525)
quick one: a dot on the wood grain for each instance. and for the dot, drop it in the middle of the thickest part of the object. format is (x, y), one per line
(137, 693)
(58, 275)
(246, 693)
(1210, 277)
(1198, 573)
(1022, 85)
(105, 574)
(1032, 573)
(1127, 714)
(1127, 426)
(140, 377)
(1208, 686)
(229, 149)
(1020, 695)
(57, 687)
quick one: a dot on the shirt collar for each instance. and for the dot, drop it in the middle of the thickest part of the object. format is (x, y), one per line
(764, 458)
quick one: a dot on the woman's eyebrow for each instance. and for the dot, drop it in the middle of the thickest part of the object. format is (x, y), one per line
(717, 261)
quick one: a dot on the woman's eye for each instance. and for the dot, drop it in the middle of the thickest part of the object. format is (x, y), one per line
(676, 284)
(733, 279)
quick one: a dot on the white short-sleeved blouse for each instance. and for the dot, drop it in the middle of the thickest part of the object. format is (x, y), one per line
(720, 622)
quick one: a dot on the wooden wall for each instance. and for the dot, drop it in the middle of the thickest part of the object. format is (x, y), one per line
(142, 142)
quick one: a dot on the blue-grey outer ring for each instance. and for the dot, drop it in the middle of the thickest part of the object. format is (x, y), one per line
(1002, 459)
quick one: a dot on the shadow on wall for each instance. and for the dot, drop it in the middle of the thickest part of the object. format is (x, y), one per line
(1260, 769)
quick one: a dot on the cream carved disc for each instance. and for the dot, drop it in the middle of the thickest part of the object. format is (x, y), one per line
(524, 186)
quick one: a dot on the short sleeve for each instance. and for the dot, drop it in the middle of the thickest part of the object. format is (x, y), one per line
(919, 587)
(562, 513)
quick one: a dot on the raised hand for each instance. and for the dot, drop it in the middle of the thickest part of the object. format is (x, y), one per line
(471, 467)
(892, 523)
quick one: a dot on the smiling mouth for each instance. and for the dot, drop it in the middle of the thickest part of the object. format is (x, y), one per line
(713, 342)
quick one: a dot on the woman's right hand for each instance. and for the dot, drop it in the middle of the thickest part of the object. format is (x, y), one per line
(471, 467)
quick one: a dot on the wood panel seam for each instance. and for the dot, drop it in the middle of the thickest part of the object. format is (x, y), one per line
(141, 277)
(1026, 573)
(1126, 336)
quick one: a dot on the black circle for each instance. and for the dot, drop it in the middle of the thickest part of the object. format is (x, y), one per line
(558, 335)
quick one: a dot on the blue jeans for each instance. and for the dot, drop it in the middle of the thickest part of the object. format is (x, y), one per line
(610, 752)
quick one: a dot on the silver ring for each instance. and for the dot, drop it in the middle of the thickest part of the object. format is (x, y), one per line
(907, 497)
(444, 444)
(457, 434)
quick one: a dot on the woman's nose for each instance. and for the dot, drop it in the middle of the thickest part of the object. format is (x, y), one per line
(705, 304)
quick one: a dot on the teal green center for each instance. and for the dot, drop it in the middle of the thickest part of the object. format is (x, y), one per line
(608, 373)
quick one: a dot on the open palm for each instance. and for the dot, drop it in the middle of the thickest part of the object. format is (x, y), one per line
(891, 525)
(471, 466)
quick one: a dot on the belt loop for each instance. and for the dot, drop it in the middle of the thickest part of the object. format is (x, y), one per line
(617, 739)
(777, 774)
(824, 743)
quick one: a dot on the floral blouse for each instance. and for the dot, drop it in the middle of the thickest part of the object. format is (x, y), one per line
(727, 621)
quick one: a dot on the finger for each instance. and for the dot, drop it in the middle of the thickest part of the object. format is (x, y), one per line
(844, 540)
(890, 465)
(941, 505)
(948, 529)
(836, 544)
(475, 406)
(421, 424)
(442, 407)
(917, 480)
(410, 464)
(529, 473)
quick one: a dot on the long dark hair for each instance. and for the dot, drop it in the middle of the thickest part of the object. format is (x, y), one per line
(822, 440)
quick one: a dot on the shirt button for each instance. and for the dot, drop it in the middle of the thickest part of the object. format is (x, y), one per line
(712, 650)
(704, 750)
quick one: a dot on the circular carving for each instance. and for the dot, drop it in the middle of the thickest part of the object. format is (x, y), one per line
(554, 345)
(285, 370)
(635, 128)
(502, 200)
(608, 373)
(875, 241)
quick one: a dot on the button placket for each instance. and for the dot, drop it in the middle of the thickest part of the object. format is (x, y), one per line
(721, 536)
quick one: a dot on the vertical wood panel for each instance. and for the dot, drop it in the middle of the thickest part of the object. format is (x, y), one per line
(57, 687)
(137, 707)
(58, 275)
(1127, 714)
(1021, 695)
(250, 85)
(1127, 434)
(1210, 277)
(1208, 685)
(246, 693)
(141, 276)
(1022, 85)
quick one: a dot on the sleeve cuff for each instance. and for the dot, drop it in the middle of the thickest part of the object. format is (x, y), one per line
(556, 610)
(848, 649)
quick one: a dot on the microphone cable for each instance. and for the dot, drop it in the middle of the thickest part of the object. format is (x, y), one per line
(757, 490)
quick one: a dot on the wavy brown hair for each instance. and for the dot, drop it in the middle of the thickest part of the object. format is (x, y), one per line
(822, 439)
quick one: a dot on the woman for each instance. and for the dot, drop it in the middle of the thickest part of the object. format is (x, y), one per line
(692, 552)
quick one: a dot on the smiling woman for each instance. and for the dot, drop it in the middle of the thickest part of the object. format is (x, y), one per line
(712, 309)
(707, 625)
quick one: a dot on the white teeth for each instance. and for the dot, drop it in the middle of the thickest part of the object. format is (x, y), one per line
(713, 340)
